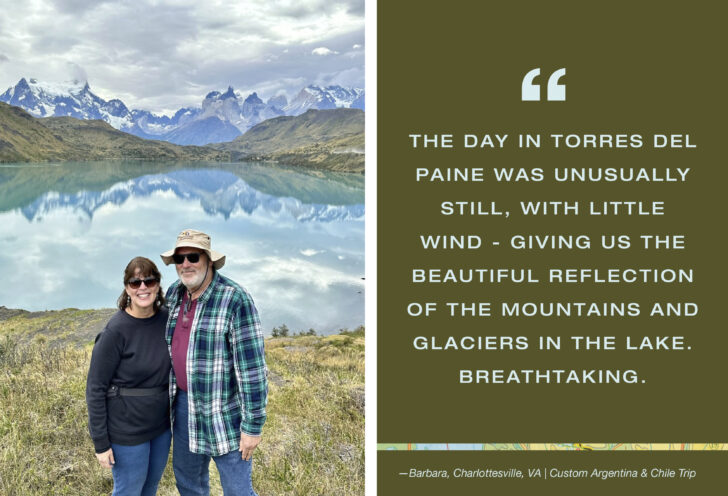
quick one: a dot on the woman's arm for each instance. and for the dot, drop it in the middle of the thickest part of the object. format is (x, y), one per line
(104, 361)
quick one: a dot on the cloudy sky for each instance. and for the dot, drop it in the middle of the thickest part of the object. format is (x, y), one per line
(162, 55)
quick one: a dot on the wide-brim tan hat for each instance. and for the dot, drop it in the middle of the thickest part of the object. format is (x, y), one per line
(195, 239)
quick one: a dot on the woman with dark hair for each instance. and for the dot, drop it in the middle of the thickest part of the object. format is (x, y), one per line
(127, 390)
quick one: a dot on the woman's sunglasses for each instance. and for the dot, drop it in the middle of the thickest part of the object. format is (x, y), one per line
(148, 282)
(180, 259)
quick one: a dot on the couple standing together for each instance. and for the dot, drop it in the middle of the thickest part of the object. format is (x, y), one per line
(190, 364)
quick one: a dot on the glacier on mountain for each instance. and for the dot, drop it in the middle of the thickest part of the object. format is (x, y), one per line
(221, 116)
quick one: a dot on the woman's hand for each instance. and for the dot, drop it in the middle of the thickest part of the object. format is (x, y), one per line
(106, 459)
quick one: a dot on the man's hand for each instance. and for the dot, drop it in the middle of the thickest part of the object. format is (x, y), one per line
(106, 459)
(247, 445)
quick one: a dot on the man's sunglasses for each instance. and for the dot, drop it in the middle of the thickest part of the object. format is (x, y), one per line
(148, 282)
(180, 259)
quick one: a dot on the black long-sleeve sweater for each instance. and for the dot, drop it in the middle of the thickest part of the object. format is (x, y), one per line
(129, 353)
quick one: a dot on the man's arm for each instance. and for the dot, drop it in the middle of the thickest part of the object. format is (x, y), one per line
(246, 340)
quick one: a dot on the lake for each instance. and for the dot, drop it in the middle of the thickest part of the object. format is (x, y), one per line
(294, 239)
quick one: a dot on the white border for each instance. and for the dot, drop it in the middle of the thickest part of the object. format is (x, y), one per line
(370, 412)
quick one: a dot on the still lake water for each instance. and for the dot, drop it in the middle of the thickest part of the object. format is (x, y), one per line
(294, 240)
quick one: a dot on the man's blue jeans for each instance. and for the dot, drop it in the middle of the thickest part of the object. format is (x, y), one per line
(138, 469)
(191, 470)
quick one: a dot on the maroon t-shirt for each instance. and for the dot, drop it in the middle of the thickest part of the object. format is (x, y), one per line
(181, 340)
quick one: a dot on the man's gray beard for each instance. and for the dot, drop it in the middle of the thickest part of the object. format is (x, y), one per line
(194, 284)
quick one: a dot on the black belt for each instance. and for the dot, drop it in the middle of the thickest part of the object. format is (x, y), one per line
(115, 390)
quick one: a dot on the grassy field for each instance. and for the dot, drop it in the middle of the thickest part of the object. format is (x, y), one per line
(313, 441)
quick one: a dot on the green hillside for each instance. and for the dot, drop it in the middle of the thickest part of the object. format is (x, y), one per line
(319, 139)
(323, 139)
(23, 138)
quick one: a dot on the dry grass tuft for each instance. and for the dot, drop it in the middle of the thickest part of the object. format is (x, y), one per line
(313, 441)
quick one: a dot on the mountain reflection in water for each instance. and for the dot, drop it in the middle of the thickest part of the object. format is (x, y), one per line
(294, 240)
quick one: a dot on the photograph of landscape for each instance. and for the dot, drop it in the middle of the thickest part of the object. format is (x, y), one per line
(123, 123)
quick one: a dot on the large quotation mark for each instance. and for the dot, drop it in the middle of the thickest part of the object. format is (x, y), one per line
(555, 92)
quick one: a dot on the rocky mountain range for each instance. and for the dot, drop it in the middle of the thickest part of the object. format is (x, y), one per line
(24, 138)
(221, 117)
(317, 139)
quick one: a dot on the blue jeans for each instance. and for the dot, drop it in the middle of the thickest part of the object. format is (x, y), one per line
(139, 468)
(191, 470)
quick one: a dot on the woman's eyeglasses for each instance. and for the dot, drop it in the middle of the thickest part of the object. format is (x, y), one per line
(137, 283)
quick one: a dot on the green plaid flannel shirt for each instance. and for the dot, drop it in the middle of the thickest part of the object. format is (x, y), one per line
(226, 372)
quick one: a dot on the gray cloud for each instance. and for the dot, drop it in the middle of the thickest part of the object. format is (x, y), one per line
(53, 45)
(163, 55)
(355, 8)
(77, 72)
(76, 6)
(350, 77)
(3, 57)
(306, 9)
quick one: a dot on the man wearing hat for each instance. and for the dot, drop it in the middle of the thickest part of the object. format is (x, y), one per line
(218, 386)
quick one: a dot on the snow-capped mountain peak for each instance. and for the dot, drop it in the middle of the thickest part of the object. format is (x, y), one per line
(327, 97)
(228, 94)
(68, 98)
(221, 116)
